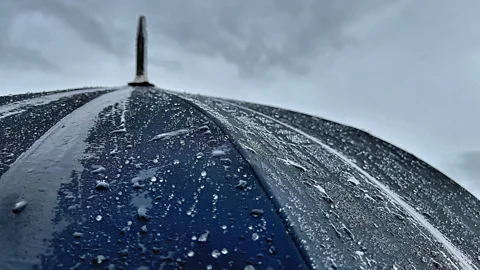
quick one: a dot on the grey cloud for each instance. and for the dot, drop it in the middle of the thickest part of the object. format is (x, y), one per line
(171, 65)
(256, 37)
(24, 58)
(88, 27)
(469, 163)
(260, 36)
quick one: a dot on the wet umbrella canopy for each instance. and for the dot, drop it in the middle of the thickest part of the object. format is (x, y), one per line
(138, 177)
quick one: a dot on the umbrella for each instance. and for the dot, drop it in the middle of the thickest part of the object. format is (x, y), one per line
(140, 177)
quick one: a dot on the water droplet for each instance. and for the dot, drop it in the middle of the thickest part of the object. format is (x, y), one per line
(99, 169)
(98, 218)
(144, 229)
(176, 161)
(77, 234)
(77, 265)
(217, 153)
(137, 185)
(224, 251)
(241, 184)
(142, 213)
(257, 212)
(240, 169)
(348, 232)
(199, 155)
(203, 173)
(226, 161)
(437, 264)
(209, 267)
(249, 267)
(203, 237)
(190, 253)
(211, 142)
(359, 253)
(100, 259)
(102, 185)
(19, 206)
(215, 253)
(204, 127)
(293, 164)
(215, 196)
(123, 253)
(353, 180)
(255, 236)
(194, 238)
(142, 248)
(224, 227)
(153, 179)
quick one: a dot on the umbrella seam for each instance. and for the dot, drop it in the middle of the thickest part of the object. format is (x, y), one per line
(260, 178)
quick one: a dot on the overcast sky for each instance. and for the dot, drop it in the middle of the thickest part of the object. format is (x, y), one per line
(408, 71)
